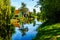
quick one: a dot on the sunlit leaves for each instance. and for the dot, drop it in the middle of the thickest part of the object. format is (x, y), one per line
(5, 19)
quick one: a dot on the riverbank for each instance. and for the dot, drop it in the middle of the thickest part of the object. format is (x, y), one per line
(48, 32)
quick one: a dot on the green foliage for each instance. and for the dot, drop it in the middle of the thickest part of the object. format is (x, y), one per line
(5, 12)
(34, 11)
(48, 32)
(50, 9)
(50, 12)
(23, 8)
(12, 11)
(39, 16)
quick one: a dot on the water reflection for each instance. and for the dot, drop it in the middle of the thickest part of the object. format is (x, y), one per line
(23, 30)
(27, 32)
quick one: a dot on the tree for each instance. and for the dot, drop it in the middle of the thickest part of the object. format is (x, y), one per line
(50, 12)
(23, 8)
(5, 12)
(12, 11)
(34, 11)
(50, 9)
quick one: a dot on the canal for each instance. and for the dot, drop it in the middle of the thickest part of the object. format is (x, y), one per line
(31, 32)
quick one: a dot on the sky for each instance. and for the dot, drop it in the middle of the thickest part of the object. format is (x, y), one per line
(29, 4)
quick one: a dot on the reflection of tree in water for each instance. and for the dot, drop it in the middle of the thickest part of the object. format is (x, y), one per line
(34, 23)
(23, 30)
(26, 18)
(28, 21)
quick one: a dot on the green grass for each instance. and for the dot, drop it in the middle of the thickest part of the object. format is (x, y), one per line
(48, 32)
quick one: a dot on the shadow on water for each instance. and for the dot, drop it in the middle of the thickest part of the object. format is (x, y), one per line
(26, 31)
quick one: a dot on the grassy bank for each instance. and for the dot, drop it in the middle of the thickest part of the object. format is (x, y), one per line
(48, 32)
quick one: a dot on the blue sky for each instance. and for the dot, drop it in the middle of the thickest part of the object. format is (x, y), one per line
(29, 4)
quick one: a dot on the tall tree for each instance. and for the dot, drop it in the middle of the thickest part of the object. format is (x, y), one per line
(34, 11)
(50, 9)
(23, 8)
(5, 12)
